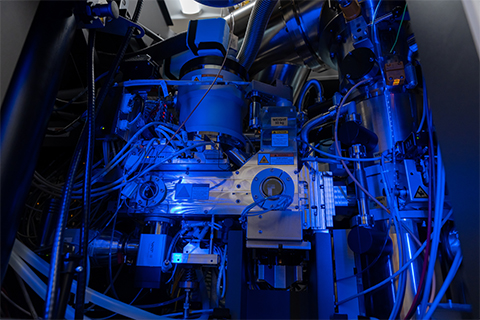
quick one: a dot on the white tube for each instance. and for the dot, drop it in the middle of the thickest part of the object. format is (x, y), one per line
(21, 251)
(34, 281)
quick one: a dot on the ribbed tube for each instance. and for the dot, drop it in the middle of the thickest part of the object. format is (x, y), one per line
(257, 24)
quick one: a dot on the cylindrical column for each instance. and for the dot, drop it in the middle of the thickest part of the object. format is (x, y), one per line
(27, 107)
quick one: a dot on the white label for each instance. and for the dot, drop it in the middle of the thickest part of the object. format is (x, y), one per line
(279, 121)
(280, 138)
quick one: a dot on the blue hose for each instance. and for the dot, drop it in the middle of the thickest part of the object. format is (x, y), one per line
(451, 274)
(310, 83)
(439, 199)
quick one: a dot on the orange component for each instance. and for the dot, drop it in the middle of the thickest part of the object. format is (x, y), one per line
(351, 11)
(395, 73)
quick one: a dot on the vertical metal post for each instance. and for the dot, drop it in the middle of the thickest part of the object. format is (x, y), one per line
(358, 151)
(27, 107)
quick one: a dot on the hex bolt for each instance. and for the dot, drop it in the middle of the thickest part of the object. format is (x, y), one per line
(238, 186)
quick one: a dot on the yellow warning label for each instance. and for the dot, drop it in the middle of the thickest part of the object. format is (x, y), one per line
(280, 132)
(420, 194)
(196, 79)
(264, 160)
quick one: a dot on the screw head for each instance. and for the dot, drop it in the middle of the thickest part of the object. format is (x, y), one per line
(237, 201)
(205, 211)
(260, 231)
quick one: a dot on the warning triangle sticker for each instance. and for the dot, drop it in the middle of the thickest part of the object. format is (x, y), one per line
(183, 193)
(420, 194)
(196, 79)
(264, 160)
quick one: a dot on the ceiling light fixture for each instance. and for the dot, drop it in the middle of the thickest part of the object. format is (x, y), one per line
(189, 7)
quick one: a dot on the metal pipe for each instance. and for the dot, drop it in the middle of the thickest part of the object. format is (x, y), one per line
(26, 109)
(256, 27)
(358, 151)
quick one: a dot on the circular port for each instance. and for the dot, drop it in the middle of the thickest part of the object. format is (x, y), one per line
(272, 186)
(148, 190)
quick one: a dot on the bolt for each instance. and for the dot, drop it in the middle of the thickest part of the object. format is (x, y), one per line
(237, 172)
(256, 179)
(79, 269)
(260, 231)
(205, 211)
(238, 186)
(237, 201)
(255, 196)
(260, 217)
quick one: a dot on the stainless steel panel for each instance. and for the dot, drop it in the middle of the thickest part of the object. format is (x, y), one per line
(390, 116)
(275, 225)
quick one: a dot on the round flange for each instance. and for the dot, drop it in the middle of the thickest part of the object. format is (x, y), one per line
(151, 191)
(270, 187)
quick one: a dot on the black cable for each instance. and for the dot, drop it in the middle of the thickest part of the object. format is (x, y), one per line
(112, 287)
(82, 276)
(119, 57)
(57, 250)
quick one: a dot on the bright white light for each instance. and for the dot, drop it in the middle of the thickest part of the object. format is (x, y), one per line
(189, 7)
